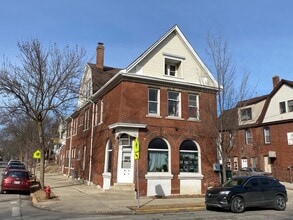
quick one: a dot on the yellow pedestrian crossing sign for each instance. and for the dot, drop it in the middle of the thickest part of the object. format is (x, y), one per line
(37, 154)
(136, 148)
(136, 145)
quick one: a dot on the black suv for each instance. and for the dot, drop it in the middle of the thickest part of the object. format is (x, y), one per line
(247, 191)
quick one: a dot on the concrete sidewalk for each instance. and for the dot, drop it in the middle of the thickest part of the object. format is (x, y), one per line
(72, 196)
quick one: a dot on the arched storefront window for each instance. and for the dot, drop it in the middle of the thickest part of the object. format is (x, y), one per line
(158, 156)
(189, 157)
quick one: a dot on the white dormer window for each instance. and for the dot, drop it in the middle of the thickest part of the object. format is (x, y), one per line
(170, 69)
(173, 65)
(290, 106)
(246, 114)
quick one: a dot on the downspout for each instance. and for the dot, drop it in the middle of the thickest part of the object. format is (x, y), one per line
(70, 147)
(91, 144)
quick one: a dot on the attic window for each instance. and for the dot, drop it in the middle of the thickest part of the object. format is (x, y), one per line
(172, 66)
(290, 106)
(246, 114)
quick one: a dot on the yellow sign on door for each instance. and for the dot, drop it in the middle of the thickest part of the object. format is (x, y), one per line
(37, 154)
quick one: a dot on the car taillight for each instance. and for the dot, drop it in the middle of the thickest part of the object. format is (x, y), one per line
(8, 180)
(27, 182)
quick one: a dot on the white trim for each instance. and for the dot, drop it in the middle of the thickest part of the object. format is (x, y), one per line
(126, 125)
(150, 49)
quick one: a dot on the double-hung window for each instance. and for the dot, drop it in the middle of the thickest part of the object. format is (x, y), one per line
(96, 113)
(246, 114)
(86, 119)
(153, 102)
(174, 104)
(290, 106)
(248, 137)
(267, 135)
(170, 69)
(282, 107)
(173, 65)
(193, 106)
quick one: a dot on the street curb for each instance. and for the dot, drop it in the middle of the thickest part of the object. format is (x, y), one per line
(168, 208)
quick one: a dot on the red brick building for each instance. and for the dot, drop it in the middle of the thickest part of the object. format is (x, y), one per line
(163, 99)
(264, 138)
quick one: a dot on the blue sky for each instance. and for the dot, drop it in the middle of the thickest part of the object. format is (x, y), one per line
(259, 32)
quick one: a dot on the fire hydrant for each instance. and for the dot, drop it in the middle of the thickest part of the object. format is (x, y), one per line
(48, 192)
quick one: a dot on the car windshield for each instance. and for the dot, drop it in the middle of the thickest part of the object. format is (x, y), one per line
(21, 167)
(233, 182)
(16, 174)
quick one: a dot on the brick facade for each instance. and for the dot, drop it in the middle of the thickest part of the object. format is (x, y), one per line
(121, 113)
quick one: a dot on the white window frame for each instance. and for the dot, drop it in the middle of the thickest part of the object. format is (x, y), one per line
(248, 136)
(290, 105)
(101, 111)
(96, 121)
(191, 105)
(154, 102)
(244, 113)
(169, 71)
(267, 135)
(86, 119)
(178, 101)
(282, 106)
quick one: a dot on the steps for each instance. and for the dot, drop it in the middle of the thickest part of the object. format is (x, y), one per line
(122, 190)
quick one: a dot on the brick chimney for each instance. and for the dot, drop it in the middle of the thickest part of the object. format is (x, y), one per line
(275, 81)
(100, 56)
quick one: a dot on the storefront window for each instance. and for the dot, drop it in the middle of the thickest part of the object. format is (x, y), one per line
(188, 157)
(158, 155)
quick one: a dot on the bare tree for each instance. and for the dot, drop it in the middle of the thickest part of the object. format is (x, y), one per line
(19, 138)
(44, 82)
(230, 93)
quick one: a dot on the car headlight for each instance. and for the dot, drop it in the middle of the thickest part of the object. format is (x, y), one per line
(225, 192)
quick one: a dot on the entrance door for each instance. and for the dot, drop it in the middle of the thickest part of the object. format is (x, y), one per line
(125, 161)
(243, 162)
(267, 164)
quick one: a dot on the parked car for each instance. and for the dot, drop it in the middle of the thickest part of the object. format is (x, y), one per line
(250, 171)
(16, 180)
(241, 192)
(15, 162)
(15, 167)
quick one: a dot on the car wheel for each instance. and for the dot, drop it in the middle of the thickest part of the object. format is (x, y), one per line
(208, 207)
(280, 203)
(237, 205)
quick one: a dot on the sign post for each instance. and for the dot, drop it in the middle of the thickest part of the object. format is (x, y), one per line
(136, 157)
(36, 155)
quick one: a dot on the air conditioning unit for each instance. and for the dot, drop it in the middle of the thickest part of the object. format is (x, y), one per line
(216, 167)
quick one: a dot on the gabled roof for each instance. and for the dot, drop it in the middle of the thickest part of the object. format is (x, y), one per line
(101, 77)
(269, 97)
(175, 29)
(251, 101)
